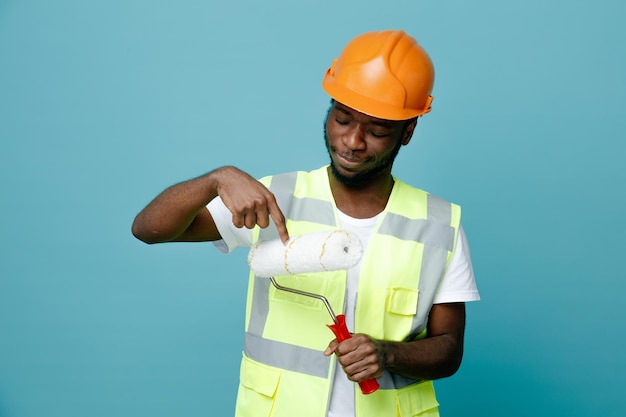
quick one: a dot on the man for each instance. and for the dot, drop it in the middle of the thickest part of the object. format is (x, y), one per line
(412, 283)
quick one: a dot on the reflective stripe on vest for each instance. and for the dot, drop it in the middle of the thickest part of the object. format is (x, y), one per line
(299, 209)
(435, 233)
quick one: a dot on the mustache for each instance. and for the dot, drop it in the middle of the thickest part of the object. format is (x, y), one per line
(347, 154)
(351, 157)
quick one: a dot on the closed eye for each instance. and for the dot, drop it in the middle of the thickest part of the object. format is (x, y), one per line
(378, 134)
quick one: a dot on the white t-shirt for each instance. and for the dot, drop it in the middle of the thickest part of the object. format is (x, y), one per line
(458, 284)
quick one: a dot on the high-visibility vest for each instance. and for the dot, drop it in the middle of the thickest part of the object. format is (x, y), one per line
(283, 371)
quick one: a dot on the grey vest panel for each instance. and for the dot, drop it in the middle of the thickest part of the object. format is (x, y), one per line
(419, 230)
(260, 307)
(434, 260)
(286, 356)
(282, 186)
(394, 381)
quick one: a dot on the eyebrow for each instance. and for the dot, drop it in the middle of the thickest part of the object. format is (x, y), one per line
(378, 122)
(344, 111)
(382, 123)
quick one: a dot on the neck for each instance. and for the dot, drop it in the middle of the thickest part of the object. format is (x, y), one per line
(362, 202)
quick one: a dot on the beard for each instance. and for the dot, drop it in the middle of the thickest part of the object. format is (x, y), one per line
(364, 178)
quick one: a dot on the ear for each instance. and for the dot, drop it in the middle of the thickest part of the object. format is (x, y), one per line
(408, 131)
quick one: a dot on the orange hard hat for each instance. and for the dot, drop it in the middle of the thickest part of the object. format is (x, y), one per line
(383, 74)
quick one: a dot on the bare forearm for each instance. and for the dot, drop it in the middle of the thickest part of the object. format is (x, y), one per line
(431, 358)
(179, 213)
(437, 356)
(173, 211)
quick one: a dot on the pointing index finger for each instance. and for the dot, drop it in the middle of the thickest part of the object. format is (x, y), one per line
(279, 221)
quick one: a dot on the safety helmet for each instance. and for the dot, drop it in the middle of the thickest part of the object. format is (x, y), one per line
(383, 74)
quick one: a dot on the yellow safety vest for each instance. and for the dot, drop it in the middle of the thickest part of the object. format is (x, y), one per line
(283, 371)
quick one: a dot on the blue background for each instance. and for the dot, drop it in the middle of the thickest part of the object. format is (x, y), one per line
(104, 104)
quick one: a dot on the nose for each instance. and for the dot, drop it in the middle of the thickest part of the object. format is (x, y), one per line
(353, 139)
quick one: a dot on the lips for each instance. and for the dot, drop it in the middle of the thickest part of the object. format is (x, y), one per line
(349, 162)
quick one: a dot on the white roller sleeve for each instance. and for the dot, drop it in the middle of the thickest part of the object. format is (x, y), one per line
(330, 250)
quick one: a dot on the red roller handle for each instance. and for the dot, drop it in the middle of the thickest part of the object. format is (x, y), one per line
(342, 333)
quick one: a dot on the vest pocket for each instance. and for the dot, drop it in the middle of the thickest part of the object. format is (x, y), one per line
(257, 389)
(401, 307)
(402, 301)
(418, 400)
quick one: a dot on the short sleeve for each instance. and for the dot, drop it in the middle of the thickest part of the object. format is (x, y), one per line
(458, 283)
(232, 237)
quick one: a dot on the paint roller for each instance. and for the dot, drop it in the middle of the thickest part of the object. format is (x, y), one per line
(330, 250)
